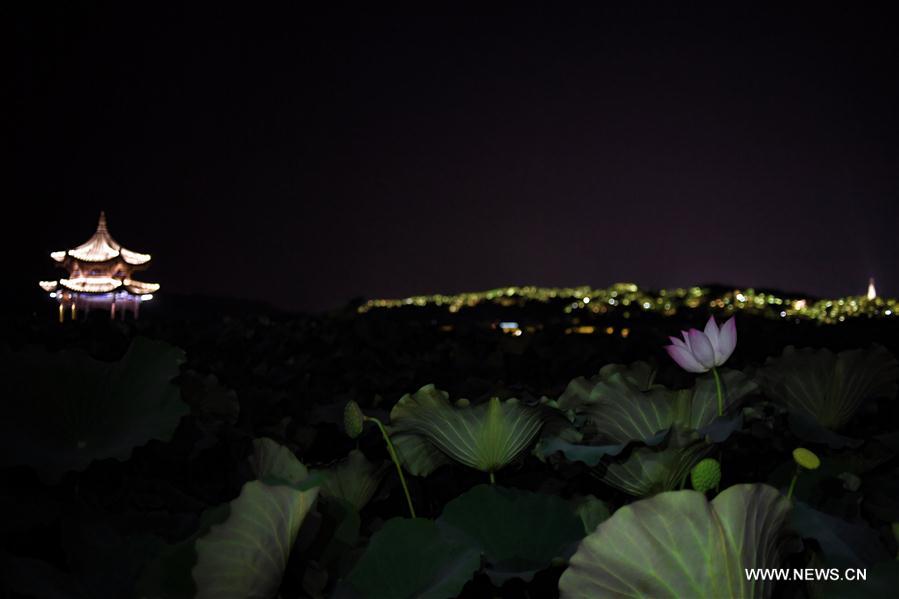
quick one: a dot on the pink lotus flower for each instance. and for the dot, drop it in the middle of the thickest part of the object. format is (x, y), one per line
(701, 351)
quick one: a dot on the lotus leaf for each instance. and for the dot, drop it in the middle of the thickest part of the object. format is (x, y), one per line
(418, 455)
(353, 479)
(592, 511)
(66, 409)
(518, 532)
(704, 400)
(271, 460)
(622, 405)
(485, 437)
(646, 471)
(842, 544)
(638, 375)
(413, 558)
(829, 387)
(245, 555)
(345, 532)
(678, 544)
(168, 576)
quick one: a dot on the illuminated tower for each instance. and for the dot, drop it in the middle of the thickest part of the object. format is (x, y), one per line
(872, 292)
(100, 272)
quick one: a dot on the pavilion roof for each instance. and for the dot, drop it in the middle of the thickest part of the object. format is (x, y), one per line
(101, 285)
(101, 247)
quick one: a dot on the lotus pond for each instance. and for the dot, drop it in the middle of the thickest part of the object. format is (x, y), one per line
(390, 454)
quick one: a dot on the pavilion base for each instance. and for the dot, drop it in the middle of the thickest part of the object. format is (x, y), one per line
(118, 305)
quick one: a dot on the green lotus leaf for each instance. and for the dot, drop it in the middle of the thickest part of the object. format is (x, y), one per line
(722, 427)
(345, 532)
(842, 544)
(826, 386)
(704, 400)
(65, 409)
(485, 437)
(168, 576)
(518, 532)
(678, 544)
(418, 455)
(646, 471)
(245, 555)
(810, 430)
(580, 391)
(592, 511)
(413, 558)
(622, 405)
(353, 479)
(271, 460)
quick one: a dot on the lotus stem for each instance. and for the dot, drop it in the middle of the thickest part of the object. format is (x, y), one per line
(793, 484)
(720, 391)
(396, 460)
(804, 458)
(492, 478)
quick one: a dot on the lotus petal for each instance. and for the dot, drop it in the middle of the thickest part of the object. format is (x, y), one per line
(727, 341)
(711, 331)
(685, 359)
(702, 349)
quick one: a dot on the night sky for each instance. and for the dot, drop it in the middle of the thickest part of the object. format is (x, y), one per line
(305, 160)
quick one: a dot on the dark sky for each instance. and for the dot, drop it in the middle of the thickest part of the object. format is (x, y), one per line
(305, 160)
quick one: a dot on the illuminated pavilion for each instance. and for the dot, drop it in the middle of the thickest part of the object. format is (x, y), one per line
(100, 277)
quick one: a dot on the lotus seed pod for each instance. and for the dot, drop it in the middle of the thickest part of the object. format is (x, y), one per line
(806, 458)
(353, 418)
(706, 475)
